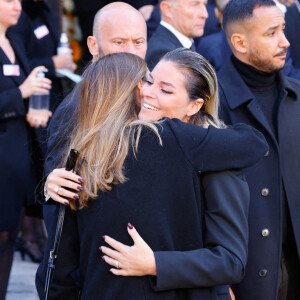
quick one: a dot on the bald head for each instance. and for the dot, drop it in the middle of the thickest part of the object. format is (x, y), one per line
(118, 27)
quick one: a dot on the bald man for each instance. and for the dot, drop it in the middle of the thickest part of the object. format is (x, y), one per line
(118, 27)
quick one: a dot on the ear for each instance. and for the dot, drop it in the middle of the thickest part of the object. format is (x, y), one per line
(165, 8)
(194, 107)
(93, 46)
(238, 42)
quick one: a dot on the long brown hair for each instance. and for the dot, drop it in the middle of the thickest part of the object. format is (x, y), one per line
(108, 123)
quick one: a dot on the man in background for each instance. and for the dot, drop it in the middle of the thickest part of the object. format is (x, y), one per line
(254, 90)
(181, 21)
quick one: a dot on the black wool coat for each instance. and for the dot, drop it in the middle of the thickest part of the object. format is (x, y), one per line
(163, 199)
(280, 164)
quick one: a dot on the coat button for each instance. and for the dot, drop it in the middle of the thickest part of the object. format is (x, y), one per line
(265, 232)
(265, 192)
(267, 153)
(263, 273)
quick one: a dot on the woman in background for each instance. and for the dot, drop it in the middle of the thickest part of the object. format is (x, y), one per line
(16, 179)
(38, 29)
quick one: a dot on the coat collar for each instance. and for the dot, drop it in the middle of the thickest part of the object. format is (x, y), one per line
(240, 93)
(237, 93)
(164, 33)
(289, 85)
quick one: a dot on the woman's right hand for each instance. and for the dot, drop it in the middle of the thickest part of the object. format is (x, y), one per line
(57, 182)
(32, 84)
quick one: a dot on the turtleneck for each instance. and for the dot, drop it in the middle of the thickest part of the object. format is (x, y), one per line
(254, 78)
(265, 88)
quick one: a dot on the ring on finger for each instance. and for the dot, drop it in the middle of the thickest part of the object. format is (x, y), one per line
(56, 189)
(117, 264)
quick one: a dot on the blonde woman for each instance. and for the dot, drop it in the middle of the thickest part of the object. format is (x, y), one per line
(148, 173)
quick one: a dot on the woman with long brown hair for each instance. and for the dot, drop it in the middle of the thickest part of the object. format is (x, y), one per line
(148, 173)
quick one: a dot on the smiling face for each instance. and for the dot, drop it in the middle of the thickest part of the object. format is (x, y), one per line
(10, 11)
(164, 95)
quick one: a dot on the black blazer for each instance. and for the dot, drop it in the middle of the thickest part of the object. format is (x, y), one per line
(281, 164)
(161, 42)
(162, 198)
(40, 50)
(15, 134)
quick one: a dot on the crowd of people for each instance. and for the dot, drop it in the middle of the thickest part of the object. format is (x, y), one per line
(187, 127)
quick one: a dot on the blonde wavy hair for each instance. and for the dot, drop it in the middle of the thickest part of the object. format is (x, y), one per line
(108, 123)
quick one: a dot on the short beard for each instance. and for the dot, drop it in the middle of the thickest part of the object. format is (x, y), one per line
(262, 64)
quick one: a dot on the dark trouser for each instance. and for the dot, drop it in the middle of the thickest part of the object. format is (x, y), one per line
(289, 288)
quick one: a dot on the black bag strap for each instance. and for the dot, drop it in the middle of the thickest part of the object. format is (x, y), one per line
(53, 252)
(70, 165)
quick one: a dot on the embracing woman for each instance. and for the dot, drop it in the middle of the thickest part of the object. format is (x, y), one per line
(149, 174)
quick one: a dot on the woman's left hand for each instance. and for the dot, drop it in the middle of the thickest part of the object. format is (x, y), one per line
(137, 260)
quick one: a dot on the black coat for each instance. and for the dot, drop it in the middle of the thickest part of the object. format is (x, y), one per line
(16, 186)
(162, 198)
(282, 163)
(161, 42)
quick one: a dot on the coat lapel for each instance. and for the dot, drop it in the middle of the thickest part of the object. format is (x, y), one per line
(21, 56)
(238, 94)
(167, 34)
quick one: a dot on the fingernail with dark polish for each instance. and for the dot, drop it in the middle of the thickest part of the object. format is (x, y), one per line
(66, 203)
(103, 258)
(80, 179)
(76, 197)
(103, 236)
(100, 248)
(79, 188)
(130, 226)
